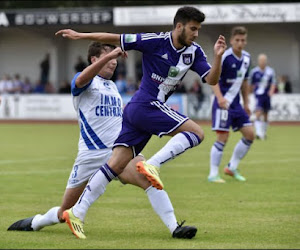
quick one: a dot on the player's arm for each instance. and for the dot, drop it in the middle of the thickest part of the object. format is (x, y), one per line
(273, 85)
(102, 37)
(213, 76)
(223, 103)
(92, 70)
(245, 95)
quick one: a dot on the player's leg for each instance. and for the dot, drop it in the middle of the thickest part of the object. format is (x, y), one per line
(216, 154)
(266, 123)
(258, 124)
(185, 133)
(221, 121)
(240, 122)
(159, 200)
(97, 183)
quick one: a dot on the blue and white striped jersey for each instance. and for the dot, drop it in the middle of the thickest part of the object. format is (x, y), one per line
(99, 110)
(262, 79)
(163, 65)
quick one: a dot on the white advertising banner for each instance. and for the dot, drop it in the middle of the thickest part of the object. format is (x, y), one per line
(40, 107)
(215, 14)
(285, 107)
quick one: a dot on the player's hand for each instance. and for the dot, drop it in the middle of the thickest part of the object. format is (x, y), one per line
(68, 33)
(118, 52)
(220, 46)
(247, 109)
(223, 103)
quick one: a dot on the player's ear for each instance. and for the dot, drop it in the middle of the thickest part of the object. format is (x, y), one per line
(93, 59)
(179, 26)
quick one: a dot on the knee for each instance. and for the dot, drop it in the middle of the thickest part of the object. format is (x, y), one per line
(200, 133)
(250, 136)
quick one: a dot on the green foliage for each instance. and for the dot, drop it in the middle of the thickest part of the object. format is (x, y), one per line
(262, 213)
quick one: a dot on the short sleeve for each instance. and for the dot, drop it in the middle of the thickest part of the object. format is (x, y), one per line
(144, 42)
(200, 65)
(74, 89)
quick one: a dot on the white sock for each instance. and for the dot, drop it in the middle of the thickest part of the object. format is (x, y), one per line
(93, 190)
(216, 154)
(240, 150)
(264, 128)
(162, 205)
(47, 219)
(259, 128)
(175, 146)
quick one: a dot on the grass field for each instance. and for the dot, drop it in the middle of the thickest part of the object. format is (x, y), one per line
(264, 212)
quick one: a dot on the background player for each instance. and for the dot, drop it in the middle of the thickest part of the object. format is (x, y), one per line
(227, 110)
(262, 80)
(99, 108)
(166, 59)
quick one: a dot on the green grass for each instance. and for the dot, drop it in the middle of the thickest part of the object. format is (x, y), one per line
(264, 212)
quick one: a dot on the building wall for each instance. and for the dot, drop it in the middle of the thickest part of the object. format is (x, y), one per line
(22, 49)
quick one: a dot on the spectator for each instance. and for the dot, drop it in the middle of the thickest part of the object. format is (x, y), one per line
(6, 84)
(131, 86)
(65, 88)
(284, 85)
(27, 86)
(121, 84)
(49, 88)
(45, 68)
(80, 65)
(39, 88)
(196, 89)
(17, 84)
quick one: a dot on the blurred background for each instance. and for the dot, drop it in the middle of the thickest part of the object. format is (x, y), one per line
(36, 67)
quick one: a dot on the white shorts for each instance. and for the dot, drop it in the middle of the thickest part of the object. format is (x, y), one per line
(86, 163)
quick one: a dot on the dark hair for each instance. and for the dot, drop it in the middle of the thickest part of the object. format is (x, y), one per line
(186, 14)
(97, 48)
(238, 30)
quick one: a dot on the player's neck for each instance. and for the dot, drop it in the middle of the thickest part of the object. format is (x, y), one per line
(175, 41)
(238, 53)
(262, 68)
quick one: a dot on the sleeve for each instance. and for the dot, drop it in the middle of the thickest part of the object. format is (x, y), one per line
(248, 70)
(144, 42)
(74, 89)
(251, 75)
(200, 65)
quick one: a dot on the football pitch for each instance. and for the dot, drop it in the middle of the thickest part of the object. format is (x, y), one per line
(264, 212)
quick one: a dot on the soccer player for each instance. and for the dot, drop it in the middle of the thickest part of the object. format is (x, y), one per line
(227, 110)
(166, 59)
(262, 80)
(99, 108)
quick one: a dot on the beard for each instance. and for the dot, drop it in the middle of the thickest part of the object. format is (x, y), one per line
(182, 38)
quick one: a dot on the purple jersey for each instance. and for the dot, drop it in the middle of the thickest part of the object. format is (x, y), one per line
(234, 71)
(163, 65)
(262, 80)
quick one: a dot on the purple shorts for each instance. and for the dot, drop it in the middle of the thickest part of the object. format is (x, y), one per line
(263, 102)
(235, 117)
(142, 120)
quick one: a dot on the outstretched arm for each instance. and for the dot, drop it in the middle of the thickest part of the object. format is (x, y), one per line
(92, 70)
(245, 94)
(102, 37)
(213, 76)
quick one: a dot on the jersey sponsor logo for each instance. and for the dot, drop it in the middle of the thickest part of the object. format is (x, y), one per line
(130, 38)
(187, 59)
(106, 85)
(173, 71)
(109, 106)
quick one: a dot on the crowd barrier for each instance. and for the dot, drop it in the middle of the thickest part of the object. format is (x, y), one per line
(285, 107)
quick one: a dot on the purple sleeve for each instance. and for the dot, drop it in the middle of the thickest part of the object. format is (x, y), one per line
(144, 42)
(200, 65)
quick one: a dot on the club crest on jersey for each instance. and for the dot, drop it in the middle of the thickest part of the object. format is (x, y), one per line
(187, 59)
(106, 85)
